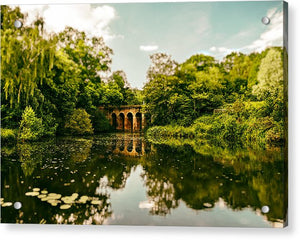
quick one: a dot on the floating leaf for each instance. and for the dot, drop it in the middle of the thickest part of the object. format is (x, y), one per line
(54, 196)
(44, 192)
(32, 194)
(53, 202)
(6, 204)
(83, 199)
(67, 200)
(42, 196)
(96, 202)
(65, 206)
(36, 189)
(74, 196)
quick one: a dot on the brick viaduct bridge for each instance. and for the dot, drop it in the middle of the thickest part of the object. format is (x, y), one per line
(125, 117)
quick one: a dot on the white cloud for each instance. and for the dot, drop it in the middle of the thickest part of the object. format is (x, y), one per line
(148, 48)
(223, 49)
(220, 49)
(83, 17)
(273, 35)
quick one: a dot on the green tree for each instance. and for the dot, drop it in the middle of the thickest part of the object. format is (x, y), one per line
(161, 64)
(129, 95)
(61, 89)
(26, 57)
(206, 91)
(92, 57)
(270, 76)
(270, 83)
(31, 127)
(79, 122)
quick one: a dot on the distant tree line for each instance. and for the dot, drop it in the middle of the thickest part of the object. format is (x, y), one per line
(245, 91)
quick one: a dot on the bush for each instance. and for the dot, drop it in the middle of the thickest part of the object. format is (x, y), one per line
(257, 128)
(79, 123)
(171, 131)
(8, 135)
(31, 127)
(100, 122)
(243, 122)
(50, 125)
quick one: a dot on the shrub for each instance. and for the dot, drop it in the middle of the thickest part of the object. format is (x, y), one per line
(233, 130)
(31, 127)
(50, 125)
(8, 135)
(232, 127)
(257, 128)
(79, 123)
(100, 122)
(275, 134)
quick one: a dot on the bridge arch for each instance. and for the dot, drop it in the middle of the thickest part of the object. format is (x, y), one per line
(114, 121)
(139, 119)
(121, 122)
(129, 121)
(126, 117)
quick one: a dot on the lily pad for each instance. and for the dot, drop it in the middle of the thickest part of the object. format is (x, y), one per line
(74, 196)
(67, 200)
(53, 202)
(36, 189)
(42, 196)
(32, 194)
(96, 202)
(54, 196)
(44, 192)
(83, 199)
(65, 206)
(6, 204)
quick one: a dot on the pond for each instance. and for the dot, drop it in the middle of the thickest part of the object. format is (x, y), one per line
(126, 179)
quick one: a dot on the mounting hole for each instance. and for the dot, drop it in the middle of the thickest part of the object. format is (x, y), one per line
(17, 205)
(18, 24)
(265, 209)
(265, 20)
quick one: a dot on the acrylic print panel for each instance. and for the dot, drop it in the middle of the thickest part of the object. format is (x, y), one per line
(144, 114)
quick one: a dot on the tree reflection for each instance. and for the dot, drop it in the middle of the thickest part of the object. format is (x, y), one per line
(161, 194)
(202, 173)
(30, 157)
(87, 214)
(196, 173)
(81, 150)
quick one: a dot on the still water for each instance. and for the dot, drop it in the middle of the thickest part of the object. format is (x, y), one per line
(127, 179)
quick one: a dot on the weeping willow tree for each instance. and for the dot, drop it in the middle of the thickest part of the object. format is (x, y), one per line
(26, 56)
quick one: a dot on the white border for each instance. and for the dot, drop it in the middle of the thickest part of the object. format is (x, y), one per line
(46, 232)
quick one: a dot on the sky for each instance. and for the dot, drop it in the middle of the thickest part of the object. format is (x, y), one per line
(136, 30)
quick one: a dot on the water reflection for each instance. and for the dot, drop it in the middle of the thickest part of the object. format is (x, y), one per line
(135, 146)
(125, 179)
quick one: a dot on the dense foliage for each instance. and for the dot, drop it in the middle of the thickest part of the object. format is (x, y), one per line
(240, 99)
(31, 127)
(55, 74)
(79, 123)
(51, 77)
